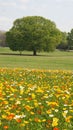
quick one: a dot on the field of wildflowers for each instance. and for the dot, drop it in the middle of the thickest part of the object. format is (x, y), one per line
(36, 99)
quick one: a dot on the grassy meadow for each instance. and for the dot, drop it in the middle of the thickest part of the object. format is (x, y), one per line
(52, 60)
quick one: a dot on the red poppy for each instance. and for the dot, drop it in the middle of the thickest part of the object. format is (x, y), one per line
(55, 128)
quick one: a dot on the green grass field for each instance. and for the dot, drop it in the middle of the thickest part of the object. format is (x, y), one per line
(53, 60)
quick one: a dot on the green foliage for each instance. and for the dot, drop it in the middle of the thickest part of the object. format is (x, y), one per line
(64, 43)
(33, 33)
(70, 40)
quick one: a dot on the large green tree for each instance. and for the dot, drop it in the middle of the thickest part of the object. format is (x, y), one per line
(33, 33)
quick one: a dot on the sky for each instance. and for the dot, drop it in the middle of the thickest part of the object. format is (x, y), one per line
(58, 11)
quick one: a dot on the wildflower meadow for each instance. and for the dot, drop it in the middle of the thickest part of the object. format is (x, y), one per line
(36, 99)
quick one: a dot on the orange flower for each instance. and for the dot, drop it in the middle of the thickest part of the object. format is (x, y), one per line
(11, 116)
(36, 120)
(6, 127)
(49, 121)
(55, 128)
(29, 98)
(41, 107)
(39, 112)
(18, 120)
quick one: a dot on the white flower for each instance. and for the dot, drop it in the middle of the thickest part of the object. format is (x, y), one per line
(51, 115)
(18, 102)
(56, 110)
(21, 87)
(39, 103)
(65, 104)
(67, 92)
(66, 111)
(19, 116)
(48, 91)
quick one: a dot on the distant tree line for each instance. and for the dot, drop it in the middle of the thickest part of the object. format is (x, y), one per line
(66, 41)
(35, 33)
(2, 39)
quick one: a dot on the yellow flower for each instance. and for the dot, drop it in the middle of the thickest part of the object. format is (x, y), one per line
(12, 89)
(22, 124)
(71, 110)
(28, 108)
(55, 121)
(33, 96)
(11, 99)
(35, 103)
(64, 108)
(45, 96)
(32, 113)
(4, 116)
(65, 113)
(21, 92)
(0, 122)
(39, 90)
(52, 103)
(48, 111)
(26, 122)
(43, 120)
(1, 85)
(5, 102)
(68, 118)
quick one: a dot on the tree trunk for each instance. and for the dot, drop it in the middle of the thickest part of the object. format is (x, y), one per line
(20, 53)
(34, 52)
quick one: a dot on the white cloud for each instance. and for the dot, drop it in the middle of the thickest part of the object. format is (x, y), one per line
(24, 1)
(22, 7)
(7, 4)
(23, 4)
(64, 0)
(5, 23)
(4, 19)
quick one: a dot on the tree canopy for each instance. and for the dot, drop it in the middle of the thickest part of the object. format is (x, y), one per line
(33, 33)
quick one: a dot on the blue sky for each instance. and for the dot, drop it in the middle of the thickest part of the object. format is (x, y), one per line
(59, 11)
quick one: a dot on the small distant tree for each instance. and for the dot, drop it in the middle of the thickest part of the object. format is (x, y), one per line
(33, 33)
(64, 43)
(70, 40)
